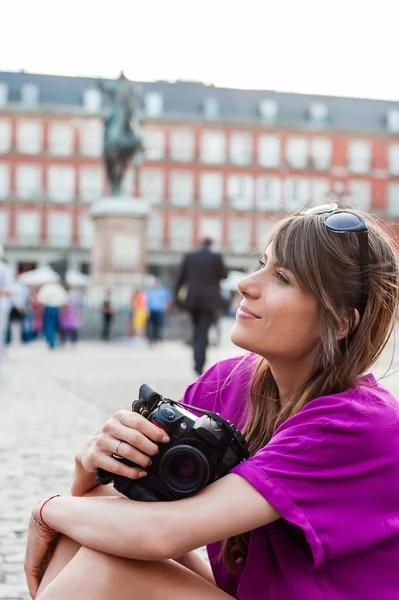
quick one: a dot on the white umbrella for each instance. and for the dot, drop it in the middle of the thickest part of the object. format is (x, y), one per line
(77, 279)
(39, 276)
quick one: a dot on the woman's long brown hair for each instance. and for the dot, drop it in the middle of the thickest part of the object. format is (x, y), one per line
(327, 265)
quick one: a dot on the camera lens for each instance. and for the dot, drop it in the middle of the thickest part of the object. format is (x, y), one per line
(184, 470)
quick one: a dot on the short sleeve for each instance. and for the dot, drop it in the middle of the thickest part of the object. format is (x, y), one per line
(329, 470)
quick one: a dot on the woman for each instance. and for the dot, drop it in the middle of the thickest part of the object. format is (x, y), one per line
(319, 494)
(69, 321)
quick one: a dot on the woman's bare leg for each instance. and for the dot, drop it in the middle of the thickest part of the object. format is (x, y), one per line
(92, 575)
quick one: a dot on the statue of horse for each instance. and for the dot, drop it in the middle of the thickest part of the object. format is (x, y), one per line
(121, 130)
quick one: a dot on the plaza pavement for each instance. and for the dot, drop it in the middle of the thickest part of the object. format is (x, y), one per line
(51, 401)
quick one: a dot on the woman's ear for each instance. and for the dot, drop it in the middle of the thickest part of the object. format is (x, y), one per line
(348, 324)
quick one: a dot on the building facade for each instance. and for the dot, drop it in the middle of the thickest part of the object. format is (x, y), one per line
(221, 162)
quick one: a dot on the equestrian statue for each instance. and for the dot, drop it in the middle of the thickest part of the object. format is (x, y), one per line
(122, 140)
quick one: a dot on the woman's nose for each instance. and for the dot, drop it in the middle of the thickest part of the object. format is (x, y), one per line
(248, 286)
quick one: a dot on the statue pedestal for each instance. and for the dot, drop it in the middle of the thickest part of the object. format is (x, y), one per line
(119, 252)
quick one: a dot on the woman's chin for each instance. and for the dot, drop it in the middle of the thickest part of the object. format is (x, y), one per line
(240, 337)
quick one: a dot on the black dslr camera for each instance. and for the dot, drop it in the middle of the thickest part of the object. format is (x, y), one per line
(201, 450)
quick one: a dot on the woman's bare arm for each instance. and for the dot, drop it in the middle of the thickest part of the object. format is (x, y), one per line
(161, 530)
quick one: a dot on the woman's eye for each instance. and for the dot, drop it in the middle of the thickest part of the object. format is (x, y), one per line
(280, 277)
(261, 264)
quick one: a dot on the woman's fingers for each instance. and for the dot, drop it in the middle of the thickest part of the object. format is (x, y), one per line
(108, 463)
(108, 445)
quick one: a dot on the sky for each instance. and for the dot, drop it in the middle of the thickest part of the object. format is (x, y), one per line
(334, 47)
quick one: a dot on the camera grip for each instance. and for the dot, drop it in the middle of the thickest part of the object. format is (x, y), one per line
(104, 477)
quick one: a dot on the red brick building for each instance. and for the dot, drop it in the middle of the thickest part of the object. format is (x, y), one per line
(218, 161)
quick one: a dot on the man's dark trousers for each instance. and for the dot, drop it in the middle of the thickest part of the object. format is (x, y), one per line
(202, 320)
(154, 325)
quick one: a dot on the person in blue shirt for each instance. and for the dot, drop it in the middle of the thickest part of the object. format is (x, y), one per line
(158, 299)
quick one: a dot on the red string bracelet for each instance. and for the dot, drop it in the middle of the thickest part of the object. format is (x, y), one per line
(41, 510)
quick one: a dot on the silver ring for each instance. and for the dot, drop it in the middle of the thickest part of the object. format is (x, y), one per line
(116, 453)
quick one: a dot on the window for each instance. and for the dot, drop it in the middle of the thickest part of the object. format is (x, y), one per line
(29, 94)
(213, 147)
(268, 193)
(92, 100)
(211, 227)
(359, 156)
(239, 235)
(181, 233)
(268, 111)
(153, 104)
(264, 229)
(29, 182)
(5, 135)
(155, 231)
(268, 151)
(211, 190)
(59, 228)
(4, 180)
(60, 139)
(86, 231)
(61, 183)
(393, 120)
(29, 137)
(321, 151)
(320, 188)
(297, 193)
(393, 159)
(297, 152)
(360, 192)
(241, 148)
(152, 185)
(28, 227)
(182, 144)
(91, 183)
(4, 225)
(211, 109)
(240, 191)
(154, 144)
(393, 199)
(3, 94)
(91, 138)
(181, 188)
(318, 113)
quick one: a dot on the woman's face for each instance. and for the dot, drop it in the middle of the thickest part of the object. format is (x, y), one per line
(276, 319)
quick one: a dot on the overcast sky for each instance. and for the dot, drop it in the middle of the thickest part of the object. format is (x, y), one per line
(339, 47)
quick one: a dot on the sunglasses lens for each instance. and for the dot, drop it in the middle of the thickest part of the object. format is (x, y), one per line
(319, 210)
(345, 221)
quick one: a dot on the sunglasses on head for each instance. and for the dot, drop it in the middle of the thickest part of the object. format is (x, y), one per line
(339, 220)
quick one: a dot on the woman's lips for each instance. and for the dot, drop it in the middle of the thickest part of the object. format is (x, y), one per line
(245, 313)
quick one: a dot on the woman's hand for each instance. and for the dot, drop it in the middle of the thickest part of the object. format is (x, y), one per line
(127, 434)
(39, 550)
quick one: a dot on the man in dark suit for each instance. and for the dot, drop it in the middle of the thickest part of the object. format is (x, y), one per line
(201, 272)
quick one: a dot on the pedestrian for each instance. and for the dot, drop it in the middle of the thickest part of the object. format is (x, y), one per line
(158, 301)
(6, 281)
(139, 314)
(108, 313)
(20, 301)
(69, 322)
(201, 273)
(37, 315)
(52, 296)
(313, 512)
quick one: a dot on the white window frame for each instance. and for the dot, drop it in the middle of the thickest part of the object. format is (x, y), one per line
(153, 104)
(181, 233)
(393, 159)
(29, 235)
(4, 224)
(155, 231)
(211, 189)
(213, 147)
(268, 193)
(64, 131)
(57, 238)
(360, 193)
(359, 156)
(154, 143)
(182, 145)
(181, 188)
(393, 199)
(264, 229)
(319, 190)
(239, 235)
(91, 182)
(61, 193)
(240, 191)
(30, 94)
(268, 110)
(297, 152)
(321, 153)
(211, 109)
(240, 148)
(5, 136)
(297, 193)
(269, 151)
(92, 100)
(91, 138)
(211, 227)
(393, 120)
(3, 94)
(152, 185)
(28, 181)
(26, 142)
(4, 180)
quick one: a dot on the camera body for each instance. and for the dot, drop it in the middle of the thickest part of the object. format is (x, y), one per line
(201, 450)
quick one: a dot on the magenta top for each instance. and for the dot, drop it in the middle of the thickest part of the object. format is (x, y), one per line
(332, 471)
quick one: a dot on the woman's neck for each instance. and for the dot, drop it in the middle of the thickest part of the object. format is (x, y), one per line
(289, 377)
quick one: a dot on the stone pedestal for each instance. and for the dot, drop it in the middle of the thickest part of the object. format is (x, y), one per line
(119, 252)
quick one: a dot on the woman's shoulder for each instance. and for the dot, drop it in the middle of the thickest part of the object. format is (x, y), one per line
(224, 387)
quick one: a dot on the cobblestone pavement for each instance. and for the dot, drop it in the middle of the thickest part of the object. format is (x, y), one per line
(51, 401)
